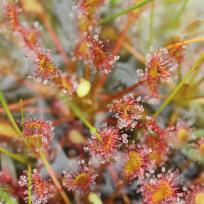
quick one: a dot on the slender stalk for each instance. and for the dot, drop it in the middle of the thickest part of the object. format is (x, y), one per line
(180, 85)
(131, 19)
(119, 43)
(22, 112)
(185, 42)
(180, 12)
(81, 116)
(16, 157)
(54, 179)
(55, 39)
(124, 11)
(29, 184)
(17, 106)
(10, 116)
(125, 91)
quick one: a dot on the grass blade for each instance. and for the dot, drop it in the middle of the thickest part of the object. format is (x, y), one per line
(180, 85)
(10, 116)
(124, 11)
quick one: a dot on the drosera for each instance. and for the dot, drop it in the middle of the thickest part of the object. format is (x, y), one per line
(45, 69)
(100, 57)
(136, 163)
(111, 141)
(162, 188)
(160, 68)
(179, 134)
(156, 139)
(127, 110)
(38, 134)
(195, 194)
(177, 52)
(80, 177)
(12, 11)
(41, 190)
(30, 35)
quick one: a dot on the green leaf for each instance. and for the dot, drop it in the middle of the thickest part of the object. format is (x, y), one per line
(6, 197)
(125, 11)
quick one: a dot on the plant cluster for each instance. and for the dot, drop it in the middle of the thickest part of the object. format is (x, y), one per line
(74, 128)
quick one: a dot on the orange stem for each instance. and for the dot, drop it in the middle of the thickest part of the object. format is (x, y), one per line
(55, 39)
(186, 42)
(131, 18)
(54, 179)
(17, 106)
(119, 94)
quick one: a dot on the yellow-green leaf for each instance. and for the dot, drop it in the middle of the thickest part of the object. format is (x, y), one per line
(7, 130)
(33, 6)
(94, 198)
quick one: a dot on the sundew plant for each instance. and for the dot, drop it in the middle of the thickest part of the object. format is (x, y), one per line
(101, 102)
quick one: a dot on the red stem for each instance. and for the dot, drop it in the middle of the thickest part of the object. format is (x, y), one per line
(55, 39)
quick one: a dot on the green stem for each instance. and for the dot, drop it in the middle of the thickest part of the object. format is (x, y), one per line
(29, 184)
(10, 116)
(180, 12)
(180, 85)
(113, 2)
(124, 11)
(16, 157)
(81, 116)
(151, 25)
